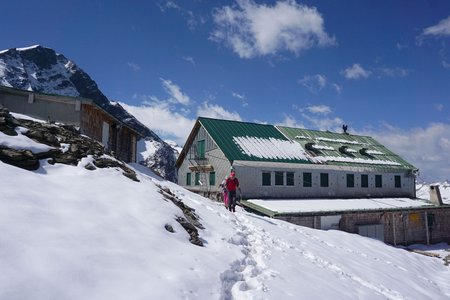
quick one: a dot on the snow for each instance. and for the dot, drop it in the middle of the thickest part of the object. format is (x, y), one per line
(25, 117)
(22, 142)
(338, 141)
(423, 191)
(374, 152)
(147, 149)
(327, 205)
(321, 147)
(271, 148)
(321, 159)
(27, 48)
(70, 233)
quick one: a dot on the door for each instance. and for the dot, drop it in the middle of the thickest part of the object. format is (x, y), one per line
(105, 135)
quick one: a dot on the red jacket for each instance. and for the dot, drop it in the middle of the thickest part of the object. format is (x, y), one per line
(232, 184)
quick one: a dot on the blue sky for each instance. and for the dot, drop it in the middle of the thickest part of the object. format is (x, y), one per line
(382, 67)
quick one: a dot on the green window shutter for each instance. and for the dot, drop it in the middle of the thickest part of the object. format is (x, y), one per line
(279, 178)
(188, 178)
(212, 178)
(364, 180)
(398, 181)
(266, 180)
(324, 179)
(201, 149)
(290, 178)
(197, 179)
(378, 181)
(307, 179)
(350, 180)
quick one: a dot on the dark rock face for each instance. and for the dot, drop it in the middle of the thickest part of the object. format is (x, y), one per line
(43, 70)
(69, 147)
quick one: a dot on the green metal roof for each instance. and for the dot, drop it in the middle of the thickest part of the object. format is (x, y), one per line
(224, 134)
(261, 142)
(354, 155)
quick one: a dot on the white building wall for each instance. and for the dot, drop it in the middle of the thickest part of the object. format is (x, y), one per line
(250, 177)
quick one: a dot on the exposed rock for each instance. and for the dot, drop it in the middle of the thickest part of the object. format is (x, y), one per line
(169, 228)
(53, 135)
(190, 221)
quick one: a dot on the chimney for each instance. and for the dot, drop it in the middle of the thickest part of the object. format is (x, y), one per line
(435, 195)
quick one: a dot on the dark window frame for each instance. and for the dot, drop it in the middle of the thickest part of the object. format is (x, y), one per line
(212, 178)
(279, 175)
(397, 181)
(364, 180)
(201, 148)
(350, 180)
(197, 178)
(188, 179)
(378, 181)
(324, 180)
(307, 179)
(266, 179)
(290, 178)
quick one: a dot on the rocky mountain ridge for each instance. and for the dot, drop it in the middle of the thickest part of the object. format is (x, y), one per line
(42, 70)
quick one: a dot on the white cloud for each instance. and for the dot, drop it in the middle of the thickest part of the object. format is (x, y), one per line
(319, 109)
(356, 72)
(133, 66)
(217, 112)
(440, 29)
(252, 29)
(316, 83)
(192, 20)
(394, 72)
(426, 148)
(165, 122)
(290, 121)
(189, 59)
(438, 106)
(445, 64)
(175, 92)
(241, 98)
(321, 123)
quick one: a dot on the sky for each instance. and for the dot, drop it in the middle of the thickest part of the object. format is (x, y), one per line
(381, 67)
(70, 235)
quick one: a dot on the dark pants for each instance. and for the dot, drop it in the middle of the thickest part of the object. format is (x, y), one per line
(231, 200)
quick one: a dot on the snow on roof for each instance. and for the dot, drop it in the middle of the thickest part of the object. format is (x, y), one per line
(302, 137)
(26, 117)
(338, 141)
(327, 205)
(374, 152)
(270, 148)
(321, 147)
(323, 159)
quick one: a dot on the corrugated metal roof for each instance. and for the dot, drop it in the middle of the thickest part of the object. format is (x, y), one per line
(226, 135)
(357, 149)
(261, 142)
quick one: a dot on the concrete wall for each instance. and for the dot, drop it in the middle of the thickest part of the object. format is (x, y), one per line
(250, 176)
(42, 107)
(400, 227)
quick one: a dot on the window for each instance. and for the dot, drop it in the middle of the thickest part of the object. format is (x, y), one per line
(378, 181)
(324, 179)
(350, 180)
(364, 180)
(197, 179)
(307, 179)
(279, 178)
(212, 178)
(201, 149)
(290, 178)
(266, 178)
(398, 181)
(188, 178)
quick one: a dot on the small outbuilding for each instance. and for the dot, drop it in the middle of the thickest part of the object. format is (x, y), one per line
(91, 119)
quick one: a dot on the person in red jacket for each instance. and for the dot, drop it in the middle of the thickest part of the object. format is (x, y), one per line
(232, 184)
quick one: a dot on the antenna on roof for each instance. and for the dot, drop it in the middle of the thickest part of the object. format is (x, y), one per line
(344, 128)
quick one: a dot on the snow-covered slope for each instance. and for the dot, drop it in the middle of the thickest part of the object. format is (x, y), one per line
(72, 233)
(423, 191)
(41, 69)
